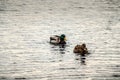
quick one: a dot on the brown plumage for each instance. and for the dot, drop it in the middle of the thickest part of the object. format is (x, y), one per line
(80, 49)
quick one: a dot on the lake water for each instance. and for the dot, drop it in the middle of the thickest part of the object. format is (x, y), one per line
(25, 28)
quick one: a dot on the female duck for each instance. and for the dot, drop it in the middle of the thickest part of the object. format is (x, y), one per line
(81, 49)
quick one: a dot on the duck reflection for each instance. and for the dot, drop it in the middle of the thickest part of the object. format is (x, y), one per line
(57, 52)
(81, 58)
(62, 49)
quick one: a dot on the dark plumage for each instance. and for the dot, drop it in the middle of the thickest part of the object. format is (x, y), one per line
(81, 49)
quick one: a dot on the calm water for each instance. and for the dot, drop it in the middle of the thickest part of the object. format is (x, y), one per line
(25, 27)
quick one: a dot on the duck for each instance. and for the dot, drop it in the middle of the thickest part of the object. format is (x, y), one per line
(81, 49)
(56, 39)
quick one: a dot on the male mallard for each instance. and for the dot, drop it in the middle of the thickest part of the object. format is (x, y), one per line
(58, 39)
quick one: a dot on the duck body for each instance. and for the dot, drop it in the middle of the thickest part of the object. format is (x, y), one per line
(55, 39)
(81, 50)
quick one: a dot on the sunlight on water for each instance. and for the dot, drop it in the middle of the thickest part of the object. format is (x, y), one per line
(25, 28)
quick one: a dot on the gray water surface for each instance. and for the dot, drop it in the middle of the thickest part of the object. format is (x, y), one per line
(25, 27)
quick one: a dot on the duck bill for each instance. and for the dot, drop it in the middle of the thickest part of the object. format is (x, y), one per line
(65, 39)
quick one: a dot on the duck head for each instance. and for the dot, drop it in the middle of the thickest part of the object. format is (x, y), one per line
(63, 37)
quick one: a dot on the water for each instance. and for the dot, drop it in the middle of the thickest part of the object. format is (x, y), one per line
(25, 27)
